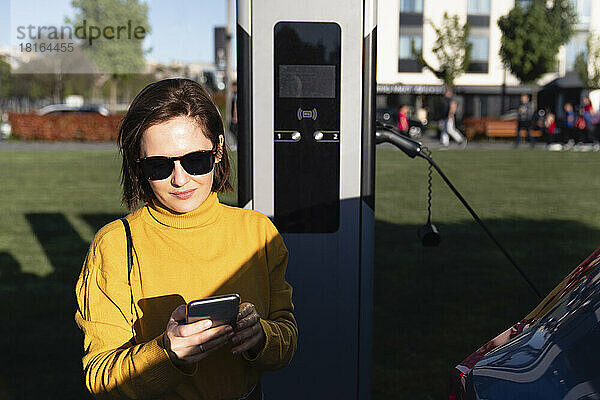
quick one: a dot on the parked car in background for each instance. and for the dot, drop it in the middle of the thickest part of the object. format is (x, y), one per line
(68, 108)
(390, 116)
(553, 353)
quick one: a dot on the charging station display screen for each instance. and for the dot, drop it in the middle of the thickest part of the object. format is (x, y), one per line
(311, 81)
(307, 81)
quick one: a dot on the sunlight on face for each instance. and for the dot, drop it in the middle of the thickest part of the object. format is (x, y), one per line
(181, 192)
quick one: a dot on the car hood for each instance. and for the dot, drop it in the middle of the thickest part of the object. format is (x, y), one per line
(553, 353)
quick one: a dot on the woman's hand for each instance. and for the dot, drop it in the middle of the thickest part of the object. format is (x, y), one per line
(190, 343)
(249, 331)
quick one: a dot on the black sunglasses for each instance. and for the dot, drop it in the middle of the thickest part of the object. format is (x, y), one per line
(160, 167)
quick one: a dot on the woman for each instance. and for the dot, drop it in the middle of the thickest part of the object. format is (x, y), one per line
(403, 119)
(186, 246)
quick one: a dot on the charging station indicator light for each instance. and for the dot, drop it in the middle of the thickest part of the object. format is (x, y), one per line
(326, 136)
(287, 136)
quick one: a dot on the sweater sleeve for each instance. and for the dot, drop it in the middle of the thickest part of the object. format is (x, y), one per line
(281, 330)
(115, 367)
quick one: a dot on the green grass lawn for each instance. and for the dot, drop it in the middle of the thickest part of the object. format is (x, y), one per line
(433, 306)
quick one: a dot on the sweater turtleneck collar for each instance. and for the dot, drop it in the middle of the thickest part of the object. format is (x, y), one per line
(207, 213)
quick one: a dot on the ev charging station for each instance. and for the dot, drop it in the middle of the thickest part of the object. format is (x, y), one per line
(306, 158)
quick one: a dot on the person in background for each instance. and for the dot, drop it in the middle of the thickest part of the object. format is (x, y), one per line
(524, 120)
(581, 128)
(591, 119)
(444, 140)
(588, 111)
(569, 126)
(403, 119)
(553, 139)
(451, 126)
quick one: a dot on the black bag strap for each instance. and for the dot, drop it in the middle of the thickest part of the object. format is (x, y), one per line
(129, 249)
(129, 268)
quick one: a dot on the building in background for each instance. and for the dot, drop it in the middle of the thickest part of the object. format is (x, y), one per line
(401, 80)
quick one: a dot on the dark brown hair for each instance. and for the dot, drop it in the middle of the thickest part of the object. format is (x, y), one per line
(157, 103)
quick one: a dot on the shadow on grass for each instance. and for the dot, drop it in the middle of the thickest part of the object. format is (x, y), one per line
(42, 348)
(97, 221)
(435, 306)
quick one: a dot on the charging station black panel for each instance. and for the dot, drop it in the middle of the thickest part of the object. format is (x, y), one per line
(307, 126)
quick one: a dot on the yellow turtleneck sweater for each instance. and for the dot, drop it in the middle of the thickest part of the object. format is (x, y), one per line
(213, 250)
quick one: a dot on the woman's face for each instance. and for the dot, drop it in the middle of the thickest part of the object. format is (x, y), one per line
(181, 192)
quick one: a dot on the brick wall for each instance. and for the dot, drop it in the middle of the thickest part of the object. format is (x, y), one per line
(65, 127)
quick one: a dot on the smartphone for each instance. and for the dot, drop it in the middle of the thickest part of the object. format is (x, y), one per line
(221, 310)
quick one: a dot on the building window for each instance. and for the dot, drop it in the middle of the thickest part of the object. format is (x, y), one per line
(479, 54)
(583, 9)
(524, 3)
(411, 6)
(478, 13)
(405, 49)
(406, 60)
(480, 50)
(576, 45)
(478, 7)
(409, 34)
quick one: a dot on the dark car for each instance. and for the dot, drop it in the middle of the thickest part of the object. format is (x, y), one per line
(553, 353)
(66, 108)
(390, 116)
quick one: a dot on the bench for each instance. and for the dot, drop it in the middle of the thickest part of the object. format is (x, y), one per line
(494, 127)
(500, 128)
(507, 129)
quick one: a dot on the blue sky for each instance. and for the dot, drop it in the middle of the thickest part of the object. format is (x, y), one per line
(181, 29)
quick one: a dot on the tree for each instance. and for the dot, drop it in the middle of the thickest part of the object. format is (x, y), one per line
(532, 36)
(587, 64)
(452, 49)
(5, 78)
(117, 56)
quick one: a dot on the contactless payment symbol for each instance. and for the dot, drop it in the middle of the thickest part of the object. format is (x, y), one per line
(309, 114)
